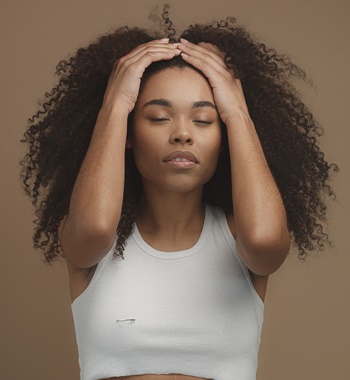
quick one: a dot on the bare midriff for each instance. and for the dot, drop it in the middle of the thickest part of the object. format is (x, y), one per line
(157, 377)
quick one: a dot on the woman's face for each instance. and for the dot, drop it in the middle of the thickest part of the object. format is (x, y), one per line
(176, 134)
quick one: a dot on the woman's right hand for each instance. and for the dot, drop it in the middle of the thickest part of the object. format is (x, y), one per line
(124, 82)
(88, 232)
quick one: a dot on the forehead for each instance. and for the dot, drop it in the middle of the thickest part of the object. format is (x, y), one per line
(180, 85)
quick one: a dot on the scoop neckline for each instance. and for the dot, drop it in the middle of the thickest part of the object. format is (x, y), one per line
(149, 250)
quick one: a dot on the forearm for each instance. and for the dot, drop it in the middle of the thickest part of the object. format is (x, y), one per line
(96, 202)
(98, 191)
(97, 196)
(259, 221)
(259, 213)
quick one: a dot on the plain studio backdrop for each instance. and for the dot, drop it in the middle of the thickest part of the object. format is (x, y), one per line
(306, 333)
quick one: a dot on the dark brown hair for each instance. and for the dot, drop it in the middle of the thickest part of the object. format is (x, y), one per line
(58, 135)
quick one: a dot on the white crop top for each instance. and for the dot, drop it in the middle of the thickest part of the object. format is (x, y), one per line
(193, 312)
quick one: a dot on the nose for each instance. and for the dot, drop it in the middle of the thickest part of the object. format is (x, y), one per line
(181, 135)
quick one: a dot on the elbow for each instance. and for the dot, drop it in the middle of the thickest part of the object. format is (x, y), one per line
(265, 255)
(84, 247)
(85, 254)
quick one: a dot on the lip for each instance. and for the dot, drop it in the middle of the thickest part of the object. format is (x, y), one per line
(181, 154)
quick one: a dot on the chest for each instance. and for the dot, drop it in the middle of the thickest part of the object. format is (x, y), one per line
(173, 307)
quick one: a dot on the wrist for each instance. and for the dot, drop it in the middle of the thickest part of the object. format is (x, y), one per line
(112, 114)
(238, 117)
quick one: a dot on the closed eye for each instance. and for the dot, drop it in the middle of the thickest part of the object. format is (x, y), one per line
(158, 120)
(203, 122)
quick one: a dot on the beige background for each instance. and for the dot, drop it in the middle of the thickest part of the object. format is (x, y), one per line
(306, 333)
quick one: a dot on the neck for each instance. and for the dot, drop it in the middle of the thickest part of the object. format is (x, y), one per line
(170, 213)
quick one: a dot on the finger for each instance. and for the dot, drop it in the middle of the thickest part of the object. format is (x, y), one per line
(208, 66)
(204, 59)
(153, 56)
(203, 49)
(156, 53)
(154, 43)
(163, 43)
(213, 48)
(140, 62)
(210, 54)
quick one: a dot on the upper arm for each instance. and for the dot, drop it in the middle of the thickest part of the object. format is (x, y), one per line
(261, 257)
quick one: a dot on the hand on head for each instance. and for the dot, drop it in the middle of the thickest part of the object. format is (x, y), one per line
(227, 89)
(124, 82)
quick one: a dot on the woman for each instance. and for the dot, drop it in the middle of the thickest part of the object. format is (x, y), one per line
(205, 184)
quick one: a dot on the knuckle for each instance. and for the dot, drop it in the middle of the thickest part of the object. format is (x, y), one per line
(203, 65)
(133, 67)
(121, 60)
(118, 63)
(149, 50)
(150, 54)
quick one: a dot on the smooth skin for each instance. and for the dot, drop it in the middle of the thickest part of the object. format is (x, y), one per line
(171, 120)
(161, 128)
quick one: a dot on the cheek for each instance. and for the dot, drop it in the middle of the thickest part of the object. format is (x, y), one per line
(145, 149)
(212, 144)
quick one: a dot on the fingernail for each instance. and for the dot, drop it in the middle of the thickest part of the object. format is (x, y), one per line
(165, 39)
(184, 55)
(184, 41)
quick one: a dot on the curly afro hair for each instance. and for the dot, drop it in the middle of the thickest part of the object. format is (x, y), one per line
(58, 135)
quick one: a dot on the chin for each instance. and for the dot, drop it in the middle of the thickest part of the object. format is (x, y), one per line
(180, 186)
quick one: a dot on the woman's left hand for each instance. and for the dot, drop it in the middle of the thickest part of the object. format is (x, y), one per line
(262, 246)
(227, 89)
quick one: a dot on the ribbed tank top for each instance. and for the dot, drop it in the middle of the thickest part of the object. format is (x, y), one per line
(193, 312)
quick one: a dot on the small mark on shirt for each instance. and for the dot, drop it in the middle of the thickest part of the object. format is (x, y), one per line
(129, 320)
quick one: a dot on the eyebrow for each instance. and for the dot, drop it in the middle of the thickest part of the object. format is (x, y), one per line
(203, 103)
(169, 104)
(159, 102)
